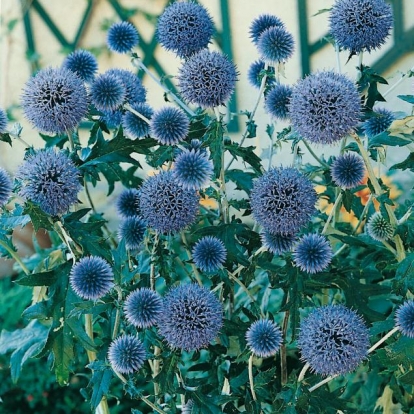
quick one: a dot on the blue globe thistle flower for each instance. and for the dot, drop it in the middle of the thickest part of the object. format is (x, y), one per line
(54, 100)
(313, 253)
(379, 228)
(51, 180)
(143, 307)
(333, 340)
(191, 317)
(132, 230)
(3, 121)
(107, 92)
(275, 44)
(262, 23)
(185, 28)
(348, 170)
(404, 318)
(91, 278)
(324, 107)
(207, 79)
(264, 338)
(127, 203)
(255, 74)
(193, 169)
(83, 63)
(134, 126)
(283, 200)
(378, 123)
(126, 354)
(165, 205)
(135, 91)
(277, 101)
(169, 125)
(112, 119)
(358, 25)
(209, 253)
(6, 186)
(277, 243)
(122, 37)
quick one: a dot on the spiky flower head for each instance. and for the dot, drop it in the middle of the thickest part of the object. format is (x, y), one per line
(275, 45)
(107, 92)
(262, 23)
(83, 63)
(132, 230)
(191, 317)
(404, 318)
(3, 121)
(122, 37)
(324, 107)
(283, 200)
(165, 205)
(264, 338)
(126, 354)
(6, 186)
(379, 228)
(50, 180)
(112, 119)
(333, 340)
(209, 254)
(169, 125)
(313, 253)
(277, 101)
(277, 243)
(143, 307)
(256, 72)
(193, 169)
(185, 28)
(91, 277)
(348, 170)
(127, 203)
(380, 121)
(135, 91)
(54, 100)
(207, 79)
(360, 25)
(134, 126)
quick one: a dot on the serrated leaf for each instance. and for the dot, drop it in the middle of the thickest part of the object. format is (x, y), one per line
(6, 138)
(386, 139)
(407, 98)
(242, 179)
(166, 377)
(100, 382)
(39, 218)
(404, 276)
(408, 163)
(247, 154)
(38, 279)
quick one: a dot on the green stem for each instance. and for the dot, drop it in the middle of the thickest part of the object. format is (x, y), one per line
(332, 213)
(118, 313)
(303, 372)
(15, 256)
(251, 381)
(283, 355)
(190, 258)
(129, 108)
(323, 163)
(152, 266)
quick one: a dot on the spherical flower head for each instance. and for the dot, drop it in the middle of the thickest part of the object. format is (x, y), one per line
(132, 230)
(313, 253)
(91, 278)
(324, 107)
(165, 205)
(185, 28)
(54, 100)
(283, 200)
(51, 180)
(112, 119)
(379, 228)
(126, 354)
(135, 91)
(275, 44)
(169, 125)
(191, 317)
(127, 203)
(83, 63)
(378, 123)
(256, 72)
(193, 169)
(348, 170)
(3, 121)
(264, 338)
(134, 126)
(207, 79)
(277, 101)
(333, 340)
(360, 25)
(262, 23)
(107, 92)
(6, 186)
(277, 243)
(122, 37)
(209, 254)
(404, 318)
(143, 307)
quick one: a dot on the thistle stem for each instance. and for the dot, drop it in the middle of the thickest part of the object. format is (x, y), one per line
(403, 77)
(323, 163)
(190, 257)
(332, 213)
(283, 364)
(15, 256)
(129, 108)
(152, 266)
(117, 314)
(251, 382)
(303, 372)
